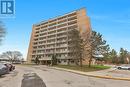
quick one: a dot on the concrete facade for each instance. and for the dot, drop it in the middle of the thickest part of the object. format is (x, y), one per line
(50, 37)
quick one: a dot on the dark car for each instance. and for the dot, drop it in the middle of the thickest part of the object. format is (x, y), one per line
(10, 66)
(3, 69)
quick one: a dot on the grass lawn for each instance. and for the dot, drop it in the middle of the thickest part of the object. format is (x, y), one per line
(84, 68)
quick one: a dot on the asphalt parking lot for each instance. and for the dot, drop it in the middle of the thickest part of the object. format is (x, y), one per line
(25, 76)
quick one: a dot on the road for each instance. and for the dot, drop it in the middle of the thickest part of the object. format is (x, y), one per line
(27, 76)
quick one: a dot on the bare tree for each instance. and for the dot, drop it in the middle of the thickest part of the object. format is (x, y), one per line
(2, 31)
(13, 56)
(75, 48)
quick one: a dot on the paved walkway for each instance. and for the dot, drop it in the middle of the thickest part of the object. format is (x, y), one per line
(112, 73)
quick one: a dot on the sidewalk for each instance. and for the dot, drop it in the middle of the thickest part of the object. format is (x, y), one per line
(106, 74)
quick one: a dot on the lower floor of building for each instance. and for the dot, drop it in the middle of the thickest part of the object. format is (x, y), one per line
(64, 61)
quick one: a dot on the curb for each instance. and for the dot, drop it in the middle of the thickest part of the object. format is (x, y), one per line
(90, 75)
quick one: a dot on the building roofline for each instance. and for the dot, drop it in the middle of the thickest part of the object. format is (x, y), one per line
(58, 16)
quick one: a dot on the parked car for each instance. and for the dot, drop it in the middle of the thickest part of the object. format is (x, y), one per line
(124, 67)
(10, 66)
(3, 69)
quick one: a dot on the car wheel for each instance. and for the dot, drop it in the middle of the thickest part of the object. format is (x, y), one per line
(119, 67)
(128, 68)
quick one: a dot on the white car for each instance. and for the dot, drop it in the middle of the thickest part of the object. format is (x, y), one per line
(3, 69)
(124, 67)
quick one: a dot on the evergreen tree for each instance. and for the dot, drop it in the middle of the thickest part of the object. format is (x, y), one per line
(123, 55)
(54, 60)
(97, 46)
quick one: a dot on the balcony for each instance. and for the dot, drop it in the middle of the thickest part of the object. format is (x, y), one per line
(50, 46)
(36, 35)
(72, 14)
(63, 17)
(43, 37)
(43, 34)
(72, 18)
(61, 29)
(52, 21)
(37, 32)
(44, 26)
(51, 37)
(61, 51)
(72, 22)
(62, 25)
(61, 41)
(61, 21)
(50, 41)
(43, 31)
(61, 46)
(62, 35)
(37, 26)
(52, 28)
(72, 27)
(44, 23)
(52, 32)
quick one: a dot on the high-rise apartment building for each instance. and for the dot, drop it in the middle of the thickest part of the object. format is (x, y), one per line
(51, 37)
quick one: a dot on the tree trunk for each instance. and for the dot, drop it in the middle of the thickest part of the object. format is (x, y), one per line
(90, 60)
(81, 63)
(68, 62)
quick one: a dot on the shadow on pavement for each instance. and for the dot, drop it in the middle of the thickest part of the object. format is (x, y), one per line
(32, 80)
